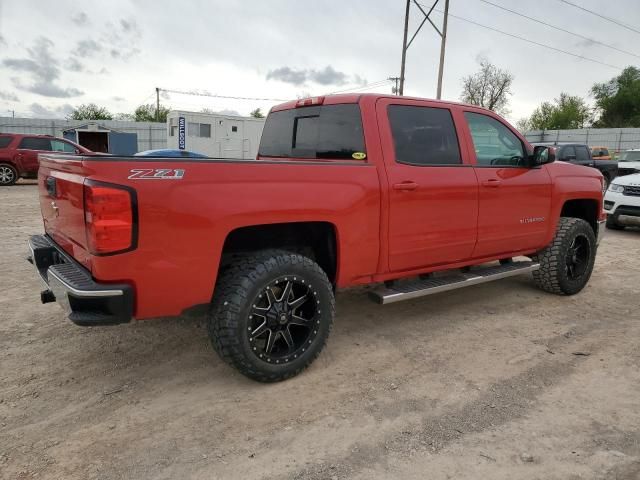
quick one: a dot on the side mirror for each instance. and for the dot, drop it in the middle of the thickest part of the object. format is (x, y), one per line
(542, 155)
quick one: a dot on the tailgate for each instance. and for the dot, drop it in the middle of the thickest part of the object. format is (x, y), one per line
(61, 191)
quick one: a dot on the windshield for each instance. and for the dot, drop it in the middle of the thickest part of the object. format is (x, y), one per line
(630, 156)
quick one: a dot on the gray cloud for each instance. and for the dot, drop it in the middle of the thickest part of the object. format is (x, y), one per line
(55, 112)
(2, 40)
(327, 76)
(80, 19)
(10, 97)
(86, 48)
(43, 67)
(118, 99)
(73, 65)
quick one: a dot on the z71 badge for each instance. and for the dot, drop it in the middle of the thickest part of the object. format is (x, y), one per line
(156, 174)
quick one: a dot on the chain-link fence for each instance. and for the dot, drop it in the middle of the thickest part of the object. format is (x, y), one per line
(151, 135)
(615, 139)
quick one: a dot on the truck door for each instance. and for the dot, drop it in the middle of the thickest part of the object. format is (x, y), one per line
(433, 196)
(515, 199)
(28, 150)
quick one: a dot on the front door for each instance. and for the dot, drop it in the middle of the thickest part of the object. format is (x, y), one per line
(515, 199)
(433, 191)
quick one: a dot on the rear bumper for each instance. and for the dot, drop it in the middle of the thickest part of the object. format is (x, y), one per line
(86, 302)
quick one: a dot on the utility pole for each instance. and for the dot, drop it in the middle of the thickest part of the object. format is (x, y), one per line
(157, 104)
(442, 46)
(396, 80)
(406, 45)
(404, 48)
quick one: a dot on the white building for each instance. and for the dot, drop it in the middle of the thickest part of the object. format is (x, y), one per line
(214, 135)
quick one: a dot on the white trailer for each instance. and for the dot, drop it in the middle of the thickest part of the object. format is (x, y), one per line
(214, 135)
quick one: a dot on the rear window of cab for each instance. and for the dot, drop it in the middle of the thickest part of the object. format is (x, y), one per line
(322, 132)
(5, 140)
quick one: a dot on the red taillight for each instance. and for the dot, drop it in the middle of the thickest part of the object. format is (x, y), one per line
(307, 102)
(109, 218)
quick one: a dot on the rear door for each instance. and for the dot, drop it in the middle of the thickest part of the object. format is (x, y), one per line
(514, 199)
(433, 197)
(28, 150)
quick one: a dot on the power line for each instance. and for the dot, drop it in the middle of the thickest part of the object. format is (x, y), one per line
(582, 57)
(559, 28)
(379, 83)
(609, 19)
(202, 94)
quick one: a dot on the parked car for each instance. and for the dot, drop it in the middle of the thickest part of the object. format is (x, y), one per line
(580, 154)
(19, 154)
(622, 202)
(600, 153)
(168, 153)
(629, 162)
(347, 190)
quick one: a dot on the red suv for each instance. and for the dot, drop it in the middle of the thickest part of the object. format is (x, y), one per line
(19, 154)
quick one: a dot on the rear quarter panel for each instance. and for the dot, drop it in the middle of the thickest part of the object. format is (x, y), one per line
(183, 223)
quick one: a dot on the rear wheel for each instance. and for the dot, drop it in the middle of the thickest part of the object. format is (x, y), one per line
(566, 264)
(8, 175)
(271, 314)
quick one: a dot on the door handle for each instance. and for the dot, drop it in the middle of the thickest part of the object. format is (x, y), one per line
(492, 182)
(406, 186)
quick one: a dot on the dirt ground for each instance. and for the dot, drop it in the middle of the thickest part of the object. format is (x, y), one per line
(497, 381)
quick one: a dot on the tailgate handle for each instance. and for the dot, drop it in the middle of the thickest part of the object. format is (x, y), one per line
(50, 184)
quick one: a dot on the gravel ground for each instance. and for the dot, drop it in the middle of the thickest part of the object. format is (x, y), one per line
(497, 381)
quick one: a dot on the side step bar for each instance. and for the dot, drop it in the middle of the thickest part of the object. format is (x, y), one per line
(420, 288)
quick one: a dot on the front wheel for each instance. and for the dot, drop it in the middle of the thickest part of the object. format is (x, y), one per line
(8, 175)
(566, 264)
(271, 314)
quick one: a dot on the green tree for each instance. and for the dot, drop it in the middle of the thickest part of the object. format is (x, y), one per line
(565, 112)
(90, 111)
(618, 100)
(147, 113)
(257, 113)
(490, 87)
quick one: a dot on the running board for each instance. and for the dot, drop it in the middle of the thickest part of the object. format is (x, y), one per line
(420, 288)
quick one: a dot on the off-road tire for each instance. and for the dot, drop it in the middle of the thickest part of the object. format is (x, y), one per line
(238, 286)
(612, 224)
(8, 169)
(553, 275)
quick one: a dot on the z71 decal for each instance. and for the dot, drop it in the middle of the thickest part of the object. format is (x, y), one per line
(156, 174)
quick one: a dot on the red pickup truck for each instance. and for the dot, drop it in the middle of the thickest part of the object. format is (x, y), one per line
(418, 196)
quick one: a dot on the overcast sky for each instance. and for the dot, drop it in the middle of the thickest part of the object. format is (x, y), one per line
(56, 55)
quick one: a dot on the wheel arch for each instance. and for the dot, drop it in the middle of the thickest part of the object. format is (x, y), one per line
(315, 239)
(584, 208)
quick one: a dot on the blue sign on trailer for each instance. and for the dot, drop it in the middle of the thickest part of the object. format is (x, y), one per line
(181, 133)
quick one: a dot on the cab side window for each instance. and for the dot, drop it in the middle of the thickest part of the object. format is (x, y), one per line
(60, 146)
(568, 153)
(423, 135)
(494, 143)
(582, 153)
(35, 143)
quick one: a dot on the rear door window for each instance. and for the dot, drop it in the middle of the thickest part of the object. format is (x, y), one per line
(423, 135)
(5, 141)
(326, 132)
(35, 143)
